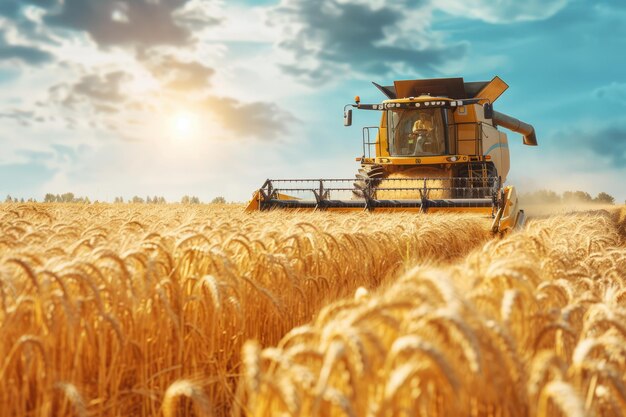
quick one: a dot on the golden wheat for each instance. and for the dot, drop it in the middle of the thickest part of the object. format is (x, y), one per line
(110, 310)
(530, 325)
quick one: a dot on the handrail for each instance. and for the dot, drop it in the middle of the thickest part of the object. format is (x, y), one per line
(367, 141)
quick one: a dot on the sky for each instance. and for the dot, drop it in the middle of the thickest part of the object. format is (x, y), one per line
(107, 98)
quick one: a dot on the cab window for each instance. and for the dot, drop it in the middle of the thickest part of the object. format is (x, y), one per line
(415, 132)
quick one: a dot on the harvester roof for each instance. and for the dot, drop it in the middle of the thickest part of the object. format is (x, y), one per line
(453, 88)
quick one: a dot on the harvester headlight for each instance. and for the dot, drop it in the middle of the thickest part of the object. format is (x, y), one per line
(453, 158)
(417, 104)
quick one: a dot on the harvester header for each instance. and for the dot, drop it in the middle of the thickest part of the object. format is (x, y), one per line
(437, 148)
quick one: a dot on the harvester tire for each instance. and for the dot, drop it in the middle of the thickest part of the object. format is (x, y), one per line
(375, 173)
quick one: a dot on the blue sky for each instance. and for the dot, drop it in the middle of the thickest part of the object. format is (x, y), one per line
(169, 97)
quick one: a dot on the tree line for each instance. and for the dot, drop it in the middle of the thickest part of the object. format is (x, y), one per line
(72, 198)
(551, 197)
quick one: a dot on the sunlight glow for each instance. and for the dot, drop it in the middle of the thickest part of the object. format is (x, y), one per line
(184, 124)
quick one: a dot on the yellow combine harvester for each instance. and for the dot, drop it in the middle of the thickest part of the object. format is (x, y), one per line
(437, 148)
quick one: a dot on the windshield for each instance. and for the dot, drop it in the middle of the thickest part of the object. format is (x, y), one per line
(416, 132)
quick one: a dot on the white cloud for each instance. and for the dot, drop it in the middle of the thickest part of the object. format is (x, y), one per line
(333, 39)
(134, 151)
(501, 11)
(241, 24)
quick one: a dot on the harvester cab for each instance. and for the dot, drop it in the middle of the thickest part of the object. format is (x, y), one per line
(437, 148)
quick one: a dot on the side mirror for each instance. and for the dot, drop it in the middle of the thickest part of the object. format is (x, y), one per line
(347, 117)
(488, 110)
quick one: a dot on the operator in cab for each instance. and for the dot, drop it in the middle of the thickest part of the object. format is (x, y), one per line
(421, 132)
(416, 132)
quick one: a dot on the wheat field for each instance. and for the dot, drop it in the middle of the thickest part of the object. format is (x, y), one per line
(531, 325)
(173, 310)
(109, 310)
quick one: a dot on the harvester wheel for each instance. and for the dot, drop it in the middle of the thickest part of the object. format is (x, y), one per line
(375, 173)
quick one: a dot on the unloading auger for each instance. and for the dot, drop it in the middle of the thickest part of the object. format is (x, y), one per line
(437, 148)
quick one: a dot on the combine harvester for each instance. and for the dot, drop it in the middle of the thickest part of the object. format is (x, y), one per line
(437, 148)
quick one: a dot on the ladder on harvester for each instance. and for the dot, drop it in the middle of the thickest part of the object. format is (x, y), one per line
(478, 176)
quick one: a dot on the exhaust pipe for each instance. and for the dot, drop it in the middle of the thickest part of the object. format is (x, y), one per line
(511, 123)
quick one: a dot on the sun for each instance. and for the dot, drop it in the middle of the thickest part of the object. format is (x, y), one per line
(184, 124)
